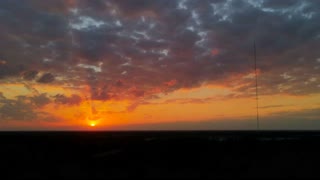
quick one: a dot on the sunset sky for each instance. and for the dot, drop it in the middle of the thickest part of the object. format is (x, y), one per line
(159, 64)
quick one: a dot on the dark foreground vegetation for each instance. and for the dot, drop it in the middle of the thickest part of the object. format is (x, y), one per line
(159, 154)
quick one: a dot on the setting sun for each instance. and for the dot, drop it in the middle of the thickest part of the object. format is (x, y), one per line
(92, 121)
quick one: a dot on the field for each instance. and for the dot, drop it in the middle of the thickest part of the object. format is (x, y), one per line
(159, 154)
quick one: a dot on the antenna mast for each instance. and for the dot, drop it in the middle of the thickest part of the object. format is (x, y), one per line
(256, 77)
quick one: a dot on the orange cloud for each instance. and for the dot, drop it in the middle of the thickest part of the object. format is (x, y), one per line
(171, 83)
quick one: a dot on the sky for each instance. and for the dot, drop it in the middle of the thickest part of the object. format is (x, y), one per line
(159, 64)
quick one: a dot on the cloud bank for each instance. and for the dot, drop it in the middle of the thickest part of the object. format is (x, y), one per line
(138, 49)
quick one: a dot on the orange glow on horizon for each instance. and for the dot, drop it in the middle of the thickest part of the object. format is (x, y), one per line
(205, 103)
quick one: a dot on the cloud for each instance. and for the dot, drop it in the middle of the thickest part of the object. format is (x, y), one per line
(305, 114)
(136, 104)
(72, 100)
(40, 100)
(273, 106)
(46, 78)
(190, 61)
(10, 70)
(24, 108)
(307, 119)
(32, 108)
(160, 46)
(191, 100)
(30, 75)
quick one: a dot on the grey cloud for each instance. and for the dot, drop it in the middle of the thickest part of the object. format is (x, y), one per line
(11, 70)
(148, 43)
(72, 100)
(30, 75)
(17, 111)
(40, 100)
(24, 108)
(46, 78)
(30, 34)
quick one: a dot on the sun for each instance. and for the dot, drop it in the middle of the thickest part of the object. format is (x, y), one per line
(93, 121)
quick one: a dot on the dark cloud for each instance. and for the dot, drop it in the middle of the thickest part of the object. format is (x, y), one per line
(24, 108)
(30, 108)
(46, 78)
(11, 70)
(279, 4)
(30, 75)
(40, 100)
(145, 44)
(17, 111)
(33, 35)
(72, 100)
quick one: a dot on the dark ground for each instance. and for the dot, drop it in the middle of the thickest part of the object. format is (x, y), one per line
(159, 154)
